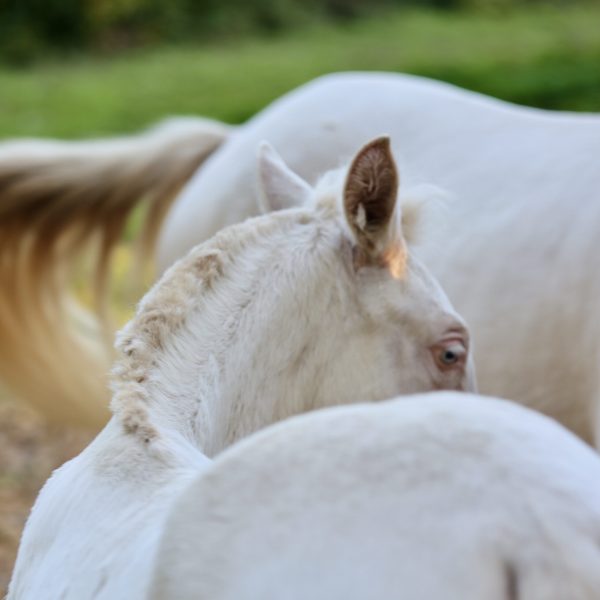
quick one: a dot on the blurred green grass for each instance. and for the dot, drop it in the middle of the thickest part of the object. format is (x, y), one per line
(542, 56)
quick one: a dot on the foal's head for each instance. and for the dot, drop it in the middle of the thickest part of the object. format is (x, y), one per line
(318, 303)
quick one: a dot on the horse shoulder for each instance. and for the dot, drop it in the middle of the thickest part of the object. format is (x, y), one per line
(99, 520)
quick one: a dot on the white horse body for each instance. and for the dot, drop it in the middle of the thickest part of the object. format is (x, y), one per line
(425, 497)
(317, 305)
(519, 254)
(96, 524)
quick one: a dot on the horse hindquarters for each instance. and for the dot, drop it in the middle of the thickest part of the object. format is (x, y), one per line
(442, 496)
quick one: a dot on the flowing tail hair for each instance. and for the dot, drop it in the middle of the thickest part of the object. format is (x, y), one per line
(55, 199)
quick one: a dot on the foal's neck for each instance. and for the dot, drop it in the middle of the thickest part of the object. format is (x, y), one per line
(206, 358)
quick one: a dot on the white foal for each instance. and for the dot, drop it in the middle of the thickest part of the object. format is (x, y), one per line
(519, 256)
(317, 305)
(438, 496)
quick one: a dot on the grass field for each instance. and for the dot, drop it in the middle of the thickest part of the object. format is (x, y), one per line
(547, 57)
(543, 57)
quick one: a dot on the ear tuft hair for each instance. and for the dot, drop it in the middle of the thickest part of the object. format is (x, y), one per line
(423, 210)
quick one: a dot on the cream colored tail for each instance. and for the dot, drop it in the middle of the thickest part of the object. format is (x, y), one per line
(55, 199)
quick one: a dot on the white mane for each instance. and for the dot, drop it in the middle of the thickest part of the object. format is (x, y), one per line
(164, 312)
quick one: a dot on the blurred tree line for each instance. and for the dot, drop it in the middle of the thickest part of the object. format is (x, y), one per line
(30, 28)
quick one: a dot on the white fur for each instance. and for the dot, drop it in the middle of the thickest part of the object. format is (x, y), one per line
(268, 319)
(437, 496)
(519, 255)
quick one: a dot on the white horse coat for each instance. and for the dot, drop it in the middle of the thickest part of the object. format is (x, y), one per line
(438, 496)
(519, 254)
(318, 305)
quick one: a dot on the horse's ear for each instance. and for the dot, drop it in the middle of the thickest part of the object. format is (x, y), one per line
(279, 186)
(370, 195)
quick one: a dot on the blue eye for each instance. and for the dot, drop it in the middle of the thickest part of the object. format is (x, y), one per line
(449, 357)
(450, 354)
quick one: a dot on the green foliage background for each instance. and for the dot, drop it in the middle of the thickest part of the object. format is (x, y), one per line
(109, 66)
(29, 28)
